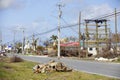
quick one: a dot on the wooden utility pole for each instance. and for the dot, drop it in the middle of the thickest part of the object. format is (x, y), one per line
(97, 40)
(23, 42)
(79, 48)
(33, 38)
(106, 33)
(83, 40)
(0, 39)
(116, 29)
(86, 41)
(14, 31)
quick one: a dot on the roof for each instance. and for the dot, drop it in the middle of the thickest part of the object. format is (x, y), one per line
(70, 44)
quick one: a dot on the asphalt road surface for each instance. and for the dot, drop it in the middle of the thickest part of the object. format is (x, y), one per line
(94, 67)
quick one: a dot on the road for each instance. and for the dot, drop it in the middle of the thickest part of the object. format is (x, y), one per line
(101, 68)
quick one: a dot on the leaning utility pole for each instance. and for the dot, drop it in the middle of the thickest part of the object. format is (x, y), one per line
(59, 17)
(79, 48)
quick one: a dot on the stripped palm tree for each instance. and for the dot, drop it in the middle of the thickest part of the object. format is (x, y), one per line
(54, 40)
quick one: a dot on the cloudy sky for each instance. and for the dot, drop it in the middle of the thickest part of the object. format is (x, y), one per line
(38, 16)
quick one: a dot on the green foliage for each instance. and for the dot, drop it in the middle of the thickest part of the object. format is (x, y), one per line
(18, 44)
(40, 48)
(54, 38)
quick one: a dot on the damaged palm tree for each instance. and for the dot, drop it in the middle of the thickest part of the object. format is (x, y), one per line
(51, 66)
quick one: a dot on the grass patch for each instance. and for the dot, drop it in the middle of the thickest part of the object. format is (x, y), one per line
(23, 71)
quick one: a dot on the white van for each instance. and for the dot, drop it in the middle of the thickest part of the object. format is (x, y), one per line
(92, 50)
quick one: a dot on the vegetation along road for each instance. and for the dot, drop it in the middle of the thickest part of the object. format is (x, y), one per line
(101, 68)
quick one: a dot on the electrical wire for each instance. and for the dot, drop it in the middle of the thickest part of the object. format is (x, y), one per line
(109, 15)
(67, 24)
(73, 25)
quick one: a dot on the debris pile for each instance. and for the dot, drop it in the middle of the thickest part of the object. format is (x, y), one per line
(2, 53)
(51, 66)
(106, 59)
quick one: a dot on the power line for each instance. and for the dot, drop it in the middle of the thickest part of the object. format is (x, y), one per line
(67, 24)
(102, 15)
(108, 15)
(72, 25)
(46, 32)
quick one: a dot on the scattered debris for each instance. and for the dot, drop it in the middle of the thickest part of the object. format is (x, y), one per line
(106, 59)
(2, 54)
(51, 66)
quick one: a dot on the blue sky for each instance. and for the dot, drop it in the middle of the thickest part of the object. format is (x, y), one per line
(37, 16)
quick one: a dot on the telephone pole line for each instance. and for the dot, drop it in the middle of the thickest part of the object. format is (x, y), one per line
(59, 25)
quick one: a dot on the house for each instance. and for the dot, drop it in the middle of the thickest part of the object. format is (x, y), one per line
(73, 47)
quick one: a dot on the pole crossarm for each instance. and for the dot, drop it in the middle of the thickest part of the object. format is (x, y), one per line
(96, 20)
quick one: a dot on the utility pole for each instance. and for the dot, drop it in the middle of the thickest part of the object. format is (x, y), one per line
(116, 30)
(59, 25)
(23, 43)
(97, 39)
(23, 40)
(14, 31)
(87, 37)
(79, 48)
(0, 40)
(106, 33)
(83, 40)
(33, 38)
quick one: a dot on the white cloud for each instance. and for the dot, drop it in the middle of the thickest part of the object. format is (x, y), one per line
(96, 11)
(70, 1)
(67, 1)
(14, 4)
(6, 3)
